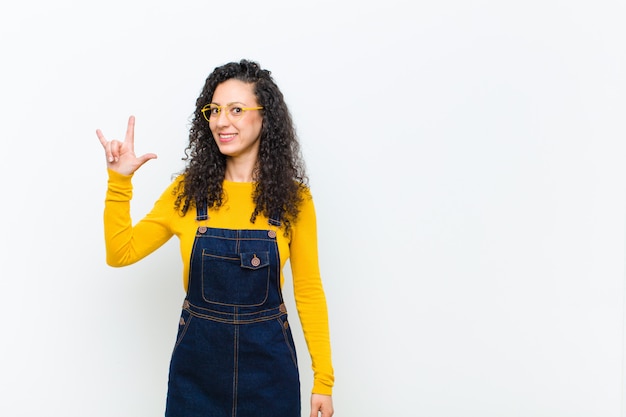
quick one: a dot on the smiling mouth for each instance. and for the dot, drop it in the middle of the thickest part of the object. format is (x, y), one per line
(227, 137)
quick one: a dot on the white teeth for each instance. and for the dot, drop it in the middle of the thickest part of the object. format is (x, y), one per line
(231, 135)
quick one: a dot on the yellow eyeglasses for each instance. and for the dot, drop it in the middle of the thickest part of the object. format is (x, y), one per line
(234, 111)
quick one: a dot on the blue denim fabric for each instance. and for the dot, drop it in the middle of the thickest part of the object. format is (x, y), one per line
(234, 354)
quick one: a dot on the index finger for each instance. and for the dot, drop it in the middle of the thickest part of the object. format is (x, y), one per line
(130, 131)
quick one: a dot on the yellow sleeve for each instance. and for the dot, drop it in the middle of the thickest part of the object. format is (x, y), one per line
(310, 297)
(125, 243)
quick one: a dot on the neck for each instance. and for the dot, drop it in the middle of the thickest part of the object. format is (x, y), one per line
(239, 171)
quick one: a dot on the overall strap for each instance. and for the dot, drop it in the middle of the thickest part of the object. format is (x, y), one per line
(201, 210)
(274, 220)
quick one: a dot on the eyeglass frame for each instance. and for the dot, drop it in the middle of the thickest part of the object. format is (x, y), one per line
(219, 108)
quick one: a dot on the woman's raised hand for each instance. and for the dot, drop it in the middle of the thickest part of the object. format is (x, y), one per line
(121, 156)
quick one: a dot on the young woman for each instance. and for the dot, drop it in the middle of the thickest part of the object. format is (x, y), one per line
(240, 209)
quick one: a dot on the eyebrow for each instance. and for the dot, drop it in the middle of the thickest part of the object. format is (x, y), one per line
(229, 104)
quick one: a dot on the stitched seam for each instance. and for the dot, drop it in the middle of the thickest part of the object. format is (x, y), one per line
(235, 370)
(237, 320)
(195, 307)
(183, 332)
(286, 336)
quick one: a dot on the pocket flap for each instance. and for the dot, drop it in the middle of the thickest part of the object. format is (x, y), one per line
(254, 260)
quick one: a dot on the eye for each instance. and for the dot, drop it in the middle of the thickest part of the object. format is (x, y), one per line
(214, 110)
(235, 111)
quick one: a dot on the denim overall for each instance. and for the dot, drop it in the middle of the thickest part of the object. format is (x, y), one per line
(234, 354)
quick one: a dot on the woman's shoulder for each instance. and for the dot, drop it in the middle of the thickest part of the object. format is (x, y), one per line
(304, 191)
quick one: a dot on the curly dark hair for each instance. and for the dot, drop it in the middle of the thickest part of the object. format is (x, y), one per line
(279, 174)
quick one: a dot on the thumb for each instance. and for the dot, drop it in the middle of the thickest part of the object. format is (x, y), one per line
(145, 158)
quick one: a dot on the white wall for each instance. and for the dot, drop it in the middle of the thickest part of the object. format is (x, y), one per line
(466, 160)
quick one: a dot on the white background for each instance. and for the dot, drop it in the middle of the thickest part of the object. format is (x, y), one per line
(466, 162)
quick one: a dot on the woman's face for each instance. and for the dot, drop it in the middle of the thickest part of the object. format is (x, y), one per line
(236, 131)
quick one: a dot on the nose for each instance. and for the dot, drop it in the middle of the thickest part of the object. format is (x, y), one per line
(222, 118)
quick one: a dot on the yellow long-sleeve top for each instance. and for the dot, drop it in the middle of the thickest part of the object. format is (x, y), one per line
(127, 243)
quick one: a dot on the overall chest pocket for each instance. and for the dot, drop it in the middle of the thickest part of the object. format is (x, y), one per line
(238, 280)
